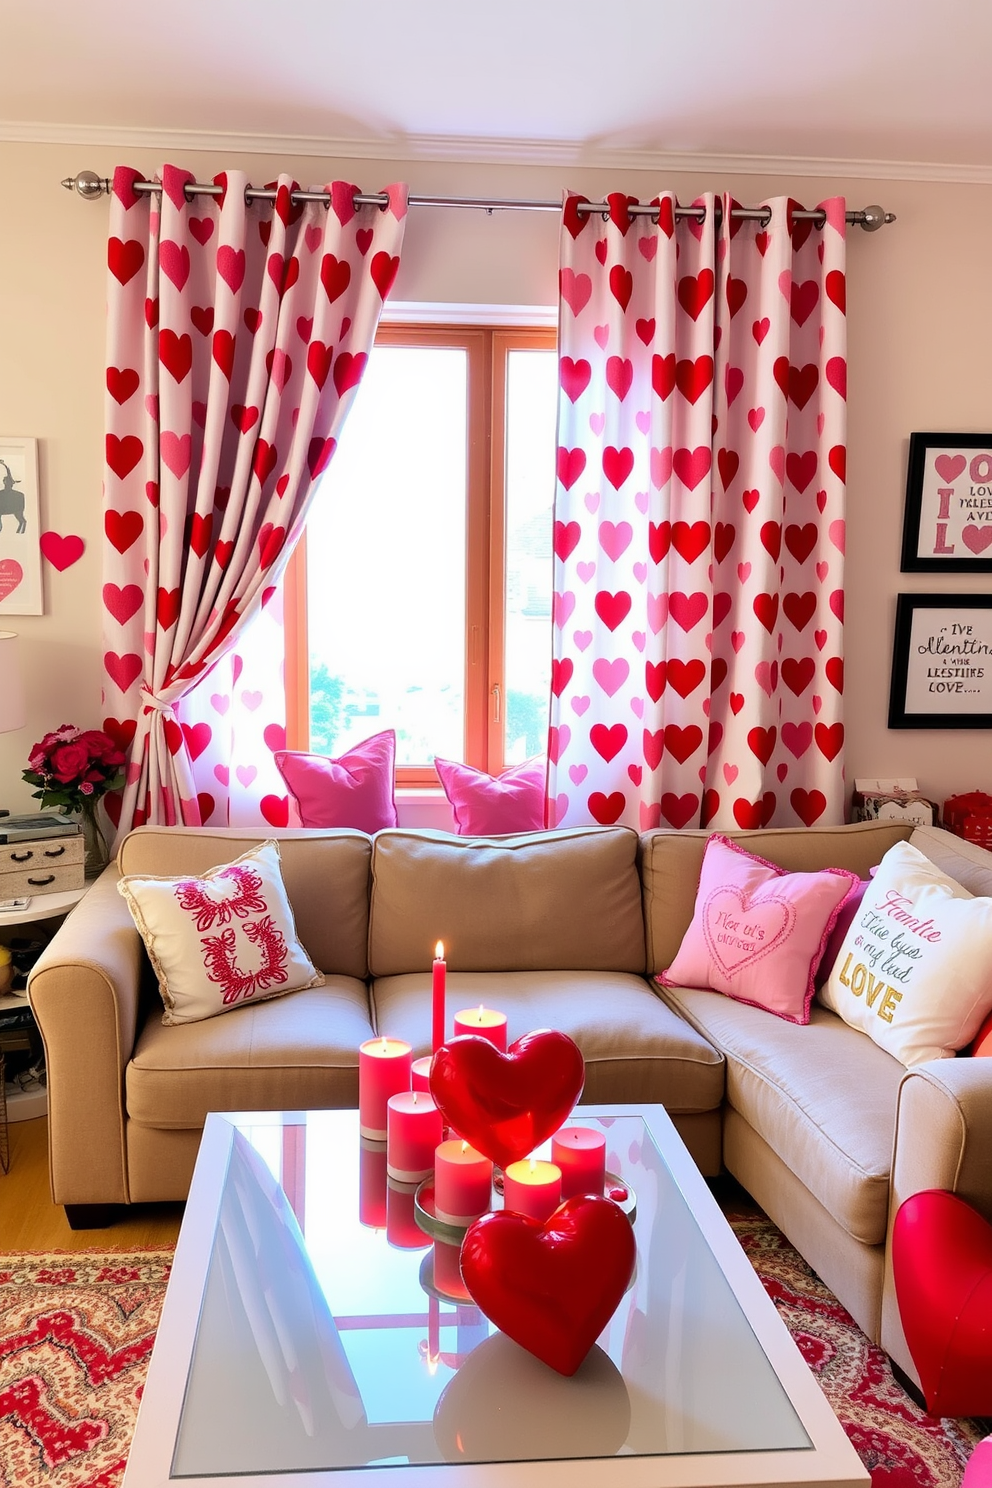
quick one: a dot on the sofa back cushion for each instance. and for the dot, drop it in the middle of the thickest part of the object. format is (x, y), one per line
(541, 901)
(671, 863)
(965, 862)
(326, 876)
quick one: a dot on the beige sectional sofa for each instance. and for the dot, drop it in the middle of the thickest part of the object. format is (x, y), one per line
(561, 929)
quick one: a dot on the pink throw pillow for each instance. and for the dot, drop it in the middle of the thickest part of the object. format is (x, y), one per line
(491, 806)
(845, 917)
(354, 790)
(758, 933)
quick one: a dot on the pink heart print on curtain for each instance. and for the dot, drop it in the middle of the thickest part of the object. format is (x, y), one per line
(697, 674)
(238, 333)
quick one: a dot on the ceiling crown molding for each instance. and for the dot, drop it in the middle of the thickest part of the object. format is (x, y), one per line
(490, 151)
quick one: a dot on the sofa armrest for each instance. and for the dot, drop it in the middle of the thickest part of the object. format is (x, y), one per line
(85, 991)
(943, 1139)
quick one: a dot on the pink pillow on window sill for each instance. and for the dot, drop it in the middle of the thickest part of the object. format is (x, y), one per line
(758, 933)
(492, 806)
(354, 790)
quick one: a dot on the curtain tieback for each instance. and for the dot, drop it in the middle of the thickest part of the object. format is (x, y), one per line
(153, 704)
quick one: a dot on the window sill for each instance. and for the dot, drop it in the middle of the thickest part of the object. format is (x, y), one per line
(420, 806)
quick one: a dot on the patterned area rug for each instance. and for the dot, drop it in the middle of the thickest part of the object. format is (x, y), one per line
(76, 1330)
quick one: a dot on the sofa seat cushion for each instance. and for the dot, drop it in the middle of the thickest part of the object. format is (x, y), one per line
(635, 1047)
(822, 1096)
(294, 1053)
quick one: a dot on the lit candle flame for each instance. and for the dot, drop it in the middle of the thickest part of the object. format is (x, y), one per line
(385, 1045)
(481, 1011)
(439, 951)
(533, 1166)
(464, 1148)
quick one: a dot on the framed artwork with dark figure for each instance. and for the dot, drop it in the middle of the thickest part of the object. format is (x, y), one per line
(20, 528)
(948, 521)
(942, 662)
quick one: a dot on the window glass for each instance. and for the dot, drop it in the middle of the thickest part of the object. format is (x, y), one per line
(386, 562)
(531, 401)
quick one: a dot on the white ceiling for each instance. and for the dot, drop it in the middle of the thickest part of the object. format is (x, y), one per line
(900, 83)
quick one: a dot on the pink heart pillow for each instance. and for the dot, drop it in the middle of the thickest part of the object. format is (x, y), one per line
(758, 933)
(354, 790)
(491, 806)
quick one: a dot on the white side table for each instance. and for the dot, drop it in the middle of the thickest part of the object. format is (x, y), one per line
(24, 1105)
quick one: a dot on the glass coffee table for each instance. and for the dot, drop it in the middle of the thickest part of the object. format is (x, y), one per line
(313, 1334)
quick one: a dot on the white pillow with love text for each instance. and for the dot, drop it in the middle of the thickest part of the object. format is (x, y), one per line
(915, 969)
(220, 940)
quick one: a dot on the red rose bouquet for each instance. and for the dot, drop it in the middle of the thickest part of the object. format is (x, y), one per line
(74, 767)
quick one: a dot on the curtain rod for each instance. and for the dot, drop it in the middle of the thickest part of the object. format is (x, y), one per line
(90, 186)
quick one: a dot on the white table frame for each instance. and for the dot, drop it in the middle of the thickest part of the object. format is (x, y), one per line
(830, 1463)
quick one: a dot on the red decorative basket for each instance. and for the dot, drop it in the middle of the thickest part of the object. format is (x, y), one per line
(970, 816)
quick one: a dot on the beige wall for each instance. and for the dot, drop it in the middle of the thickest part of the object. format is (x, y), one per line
(919, 303)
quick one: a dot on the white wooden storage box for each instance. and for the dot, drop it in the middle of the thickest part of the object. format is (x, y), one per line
(41, 865)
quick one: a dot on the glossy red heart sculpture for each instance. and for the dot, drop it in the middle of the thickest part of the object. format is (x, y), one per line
(552, 1288)
(942, 1266)
(505, 1105)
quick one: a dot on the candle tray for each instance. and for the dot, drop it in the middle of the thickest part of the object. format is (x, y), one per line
(437, 1229)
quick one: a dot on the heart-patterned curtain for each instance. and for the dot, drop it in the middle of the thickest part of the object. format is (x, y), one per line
(697, 675)
(237, 336)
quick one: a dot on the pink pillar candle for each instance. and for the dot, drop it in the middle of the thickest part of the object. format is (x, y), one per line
(580, 1152)
(413, 1130)
(372, 1184)
(463, 1183)
(438, 974)
(383, 1070)
(402, 1229)
(484, 1022)
(532, 1187)
(422, 1073)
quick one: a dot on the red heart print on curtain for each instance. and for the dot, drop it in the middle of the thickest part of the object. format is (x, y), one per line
(699, 518)
(237, 335)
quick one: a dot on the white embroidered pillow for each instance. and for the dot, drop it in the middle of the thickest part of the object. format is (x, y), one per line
(220, 940)
(915, 969)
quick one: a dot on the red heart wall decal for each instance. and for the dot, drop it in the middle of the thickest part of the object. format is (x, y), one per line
(505, 1105)
(62, 552)
(942, 1265)
(552, 1288)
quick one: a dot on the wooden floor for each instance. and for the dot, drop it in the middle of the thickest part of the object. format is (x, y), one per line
(30, 1221)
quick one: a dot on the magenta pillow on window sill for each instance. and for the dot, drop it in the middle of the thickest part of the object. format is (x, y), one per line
(758, 933)
(492, 806)
(354, 790)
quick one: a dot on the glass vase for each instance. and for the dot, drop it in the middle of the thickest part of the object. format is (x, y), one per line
(96, 851)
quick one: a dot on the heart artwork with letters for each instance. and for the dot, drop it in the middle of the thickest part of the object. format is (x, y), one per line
(11, 574)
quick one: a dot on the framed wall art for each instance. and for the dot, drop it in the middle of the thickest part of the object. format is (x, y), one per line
(20, 528)
(948, 520)
(942, 662)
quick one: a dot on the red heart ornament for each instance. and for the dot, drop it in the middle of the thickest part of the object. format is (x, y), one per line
(505, 1105)
(942, 1265)
(552, 1288)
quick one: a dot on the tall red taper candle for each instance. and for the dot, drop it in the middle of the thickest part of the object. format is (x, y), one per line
(438, 971)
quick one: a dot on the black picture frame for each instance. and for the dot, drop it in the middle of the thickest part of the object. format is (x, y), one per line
(947, 525)
(942, 662)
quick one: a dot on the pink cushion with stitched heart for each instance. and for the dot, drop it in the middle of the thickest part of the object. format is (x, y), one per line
(354, 790)
(490, 806)
(758, 933)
